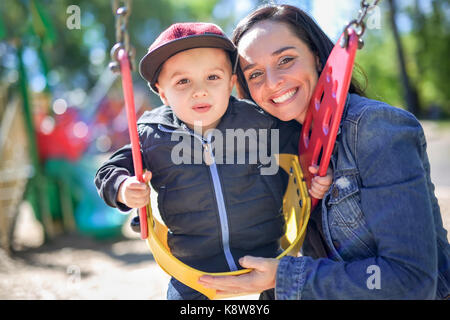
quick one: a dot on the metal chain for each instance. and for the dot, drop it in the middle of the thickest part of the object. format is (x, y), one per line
(358, 24)
(122, 38)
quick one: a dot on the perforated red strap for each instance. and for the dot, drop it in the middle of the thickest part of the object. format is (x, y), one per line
(325, 109)
(127, 85)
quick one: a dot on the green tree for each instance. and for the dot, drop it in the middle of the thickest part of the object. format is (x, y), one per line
(409, 88)
(431, 32)
(424, 33)
(73, 54)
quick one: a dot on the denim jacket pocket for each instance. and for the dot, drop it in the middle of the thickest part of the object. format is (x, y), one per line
(349, 233)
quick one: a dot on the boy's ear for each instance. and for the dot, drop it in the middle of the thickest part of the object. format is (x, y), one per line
(162, 94)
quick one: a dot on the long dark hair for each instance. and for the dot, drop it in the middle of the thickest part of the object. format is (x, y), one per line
(301, 24)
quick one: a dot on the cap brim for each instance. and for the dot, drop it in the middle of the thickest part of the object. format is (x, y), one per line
(150, 64)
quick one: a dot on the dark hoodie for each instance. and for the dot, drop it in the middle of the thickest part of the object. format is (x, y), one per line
(215, 213)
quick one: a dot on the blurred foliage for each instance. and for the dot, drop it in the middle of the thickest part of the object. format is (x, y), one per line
(426, 44)
(431, 43)
(76, 58)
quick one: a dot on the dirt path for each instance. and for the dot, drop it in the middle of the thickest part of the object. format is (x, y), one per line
(74, 267)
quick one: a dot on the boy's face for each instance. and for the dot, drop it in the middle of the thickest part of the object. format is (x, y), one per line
(197, 84)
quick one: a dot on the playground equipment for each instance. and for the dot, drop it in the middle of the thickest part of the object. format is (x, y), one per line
(315, 145)
(15, 169)
(50, 166)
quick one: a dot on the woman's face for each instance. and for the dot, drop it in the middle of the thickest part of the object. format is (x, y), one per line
(280, 69)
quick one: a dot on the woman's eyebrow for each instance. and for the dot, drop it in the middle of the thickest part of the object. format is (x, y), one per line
(249, 66)
(275, 53)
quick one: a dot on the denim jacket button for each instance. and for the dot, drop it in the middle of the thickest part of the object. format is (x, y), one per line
(335, 192)
(336, 244)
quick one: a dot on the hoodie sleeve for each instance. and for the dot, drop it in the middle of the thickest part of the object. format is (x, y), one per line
(111, 174)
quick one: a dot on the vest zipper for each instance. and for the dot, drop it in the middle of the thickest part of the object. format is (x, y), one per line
(223, 216)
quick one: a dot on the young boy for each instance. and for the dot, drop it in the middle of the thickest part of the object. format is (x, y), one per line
(216, 212)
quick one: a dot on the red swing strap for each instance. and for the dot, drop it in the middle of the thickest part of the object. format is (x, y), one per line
(325, 109)
(127, 84)
(120, 55)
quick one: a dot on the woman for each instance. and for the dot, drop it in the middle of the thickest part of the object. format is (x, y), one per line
(378, 232)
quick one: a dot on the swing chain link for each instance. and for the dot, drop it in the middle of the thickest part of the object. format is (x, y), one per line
(358, 23)
(122, 38)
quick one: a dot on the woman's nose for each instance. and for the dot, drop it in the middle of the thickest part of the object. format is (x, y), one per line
(273, 79)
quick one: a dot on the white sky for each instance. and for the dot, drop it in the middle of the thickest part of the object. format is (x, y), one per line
(332, 16)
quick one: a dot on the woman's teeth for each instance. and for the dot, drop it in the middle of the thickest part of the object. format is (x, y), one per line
(285, 96)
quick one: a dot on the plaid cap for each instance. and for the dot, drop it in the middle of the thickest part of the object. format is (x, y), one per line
(179, 37)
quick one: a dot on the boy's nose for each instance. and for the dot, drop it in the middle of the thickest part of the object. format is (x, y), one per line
(199, 92)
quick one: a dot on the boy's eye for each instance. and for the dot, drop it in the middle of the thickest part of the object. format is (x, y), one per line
(213, 77)
(183, 81)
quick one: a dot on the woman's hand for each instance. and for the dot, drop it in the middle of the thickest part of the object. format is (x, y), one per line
(261, 278)
(320, 185)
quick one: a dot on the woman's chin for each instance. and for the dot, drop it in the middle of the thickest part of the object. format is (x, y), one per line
(287, 112)
(284, 117)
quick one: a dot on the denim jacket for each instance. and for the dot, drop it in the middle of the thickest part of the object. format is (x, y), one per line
(380, 220)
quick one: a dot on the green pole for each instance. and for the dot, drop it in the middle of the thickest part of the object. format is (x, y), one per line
(38, 181)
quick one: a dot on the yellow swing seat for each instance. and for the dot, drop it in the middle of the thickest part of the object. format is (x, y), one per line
(296, 209)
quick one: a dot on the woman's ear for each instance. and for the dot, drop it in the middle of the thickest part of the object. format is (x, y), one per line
(240, 91)
(319, 66)
(162, 94)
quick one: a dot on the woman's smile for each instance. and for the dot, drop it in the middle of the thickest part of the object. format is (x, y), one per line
(285, 97)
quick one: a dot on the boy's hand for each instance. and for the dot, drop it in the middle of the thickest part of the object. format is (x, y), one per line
(133, 193)
(320, 185)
